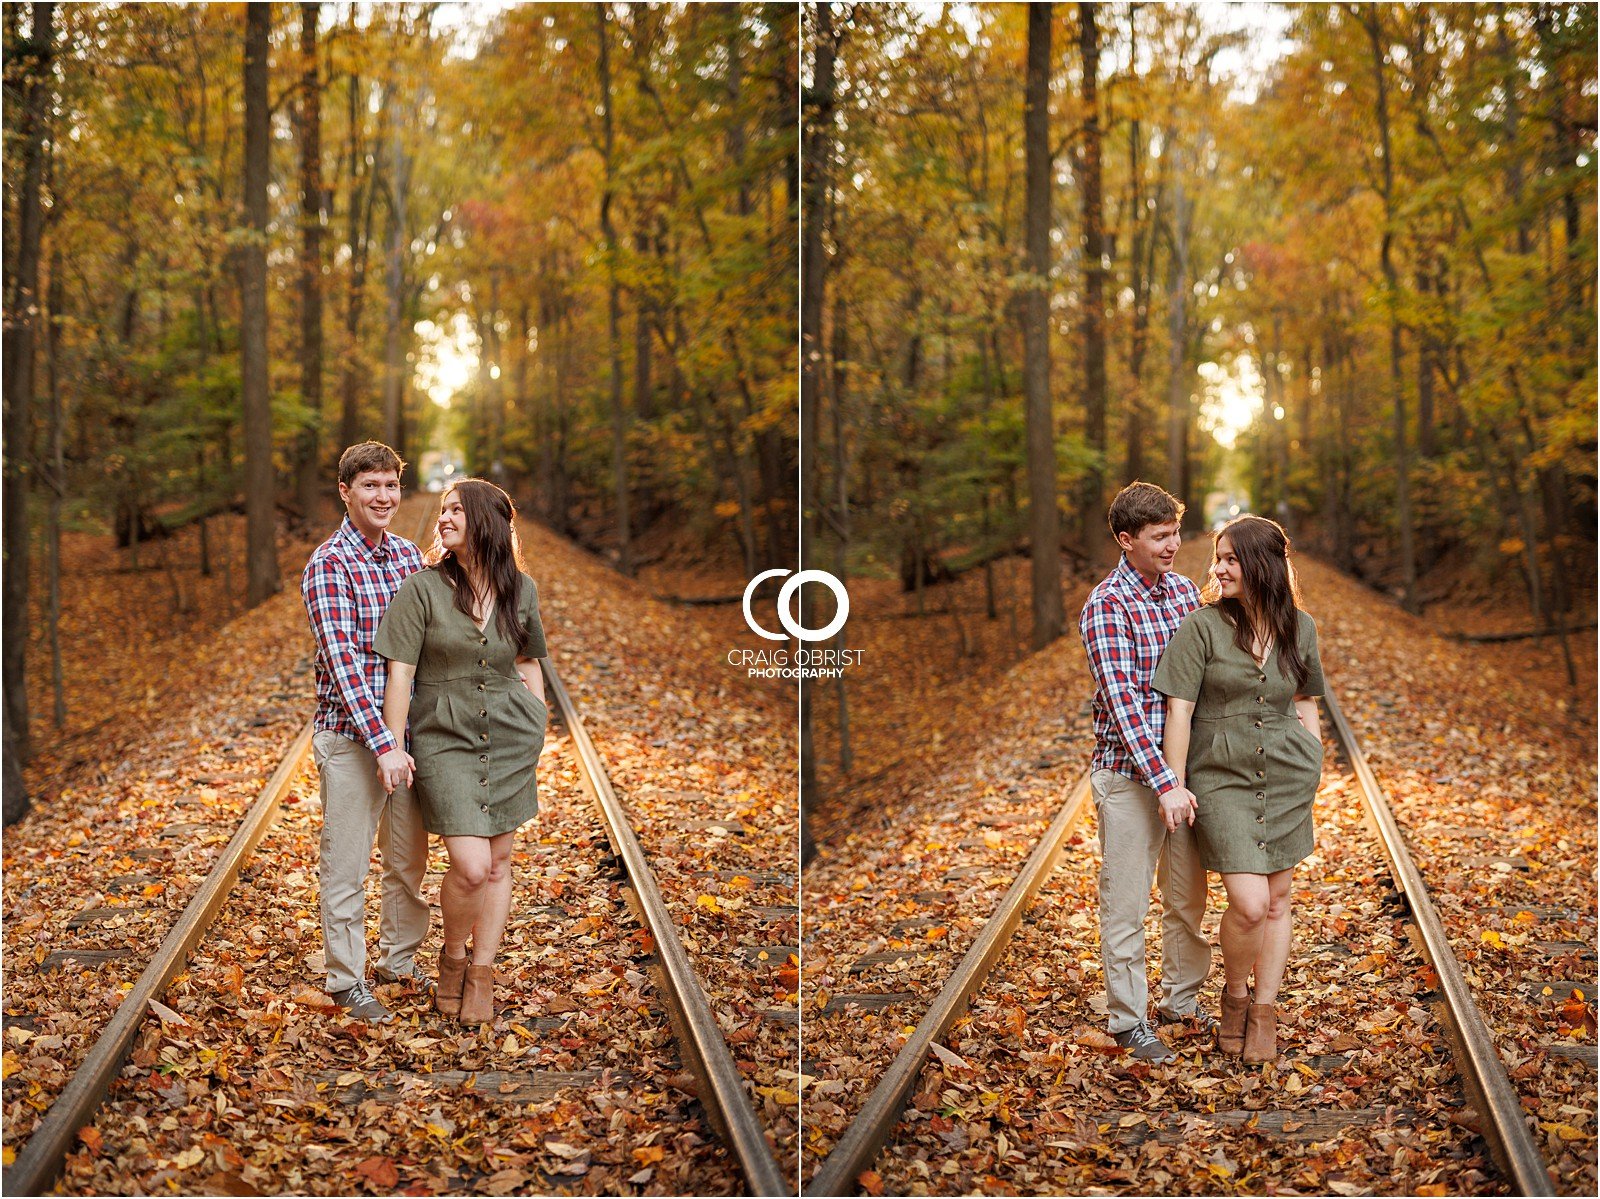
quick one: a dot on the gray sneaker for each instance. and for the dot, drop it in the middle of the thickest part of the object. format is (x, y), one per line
(361, 1003)
(1141, 1041)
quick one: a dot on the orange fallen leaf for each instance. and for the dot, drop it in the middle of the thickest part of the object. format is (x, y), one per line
(380, 1171)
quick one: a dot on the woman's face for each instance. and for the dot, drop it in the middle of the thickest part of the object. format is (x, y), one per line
(453, 524)
(1228, 573)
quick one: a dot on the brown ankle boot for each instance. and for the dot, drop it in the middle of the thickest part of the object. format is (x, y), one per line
(477, 996)
(1261, 1033)
(452, 975)
(1230, 1029)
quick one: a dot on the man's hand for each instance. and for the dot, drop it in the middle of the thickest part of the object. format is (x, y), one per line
(1178, 805)
(396, 768)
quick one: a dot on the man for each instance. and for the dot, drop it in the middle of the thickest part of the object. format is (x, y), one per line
(347, 585)
(1144, 814)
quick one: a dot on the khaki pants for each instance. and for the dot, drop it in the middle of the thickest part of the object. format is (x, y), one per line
(354, 811)
(1134, 847)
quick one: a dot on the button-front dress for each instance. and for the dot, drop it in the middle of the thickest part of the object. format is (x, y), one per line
(1253, 767)
(476, 729)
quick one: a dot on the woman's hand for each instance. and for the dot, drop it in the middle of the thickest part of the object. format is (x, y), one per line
(532, 677)
(1177, 806)
(396, 768)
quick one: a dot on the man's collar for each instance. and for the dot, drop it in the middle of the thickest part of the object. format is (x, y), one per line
(377, 550)
(1132, 578)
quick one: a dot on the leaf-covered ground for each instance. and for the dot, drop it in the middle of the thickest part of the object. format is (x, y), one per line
(915, 859)
(702, 758)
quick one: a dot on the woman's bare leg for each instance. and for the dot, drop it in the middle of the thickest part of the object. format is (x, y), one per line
(1242, 927)
(1277, 934)
(465, 887)
(492, 916)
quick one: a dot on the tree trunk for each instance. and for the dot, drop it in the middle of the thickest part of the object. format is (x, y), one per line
(358, 237)
(608, 233)
(56, 303)
(1402, 457)
(1043, 520)
(22, 289)
(1177, 323)
(260, 487)
(394, 283)
(643, 321)
(841, 521)
(308, 482)
(819, 152)
(1092, 497)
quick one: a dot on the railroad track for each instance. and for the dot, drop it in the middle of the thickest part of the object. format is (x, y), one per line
(1504, 1124)
(703, 1050)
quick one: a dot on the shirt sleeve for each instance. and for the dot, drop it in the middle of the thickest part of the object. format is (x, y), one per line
(404, 624)
(1113, 660)
(1182, 668)
(533, 645)
(329, 595)
(1314, 684)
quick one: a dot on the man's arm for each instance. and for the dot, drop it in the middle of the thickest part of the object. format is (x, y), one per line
(332, 608)
(1113, 660)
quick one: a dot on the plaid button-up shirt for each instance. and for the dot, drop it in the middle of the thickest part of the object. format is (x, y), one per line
(347, 584)
(1126, 624)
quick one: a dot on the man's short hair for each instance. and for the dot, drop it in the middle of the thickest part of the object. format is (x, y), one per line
(1139, 505)
(365, 456)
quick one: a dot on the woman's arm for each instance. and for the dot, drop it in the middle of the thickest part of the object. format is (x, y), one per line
(1305, 709)
(396, 708)
(532, 677)
(1175, 742)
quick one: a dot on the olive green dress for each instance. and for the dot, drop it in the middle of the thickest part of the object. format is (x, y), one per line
(1252, 765)
(476, 729)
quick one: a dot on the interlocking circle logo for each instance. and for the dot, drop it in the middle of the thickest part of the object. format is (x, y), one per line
(786, 601)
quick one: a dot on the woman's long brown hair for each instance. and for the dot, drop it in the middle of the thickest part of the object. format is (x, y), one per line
(1262, 548)
(493, 545)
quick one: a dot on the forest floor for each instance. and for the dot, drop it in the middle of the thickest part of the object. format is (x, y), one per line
(175, 720)
(965, 746)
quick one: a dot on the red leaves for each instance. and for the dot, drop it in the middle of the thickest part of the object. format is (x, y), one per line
(381, 1173)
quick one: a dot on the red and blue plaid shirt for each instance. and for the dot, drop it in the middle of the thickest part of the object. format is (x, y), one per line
(347, 584)
(1126, 624)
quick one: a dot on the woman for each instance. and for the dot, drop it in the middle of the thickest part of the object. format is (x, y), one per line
(466, 632)
(1241, 675)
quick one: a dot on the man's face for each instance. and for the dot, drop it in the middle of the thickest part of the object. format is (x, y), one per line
(372, 498)
(1151, 550)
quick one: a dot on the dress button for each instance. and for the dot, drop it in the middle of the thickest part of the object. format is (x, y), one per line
(1260, 699)
(483, 782)
(480, 686)
(483, 641)
(1261, 749)
(483, 757)
(483, 661)
(1258, 724)
(1261, 794)
(1261, 844)
(483, 711)
(483, 736)
(1261, 774)
(483, 807)
(1261, 819)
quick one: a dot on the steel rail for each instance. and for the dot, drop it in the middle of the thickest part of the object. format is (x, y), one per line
(722, 1090)
(1483, 1073)
(1506, 1130)
(39, 1163)
(872, 1125)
